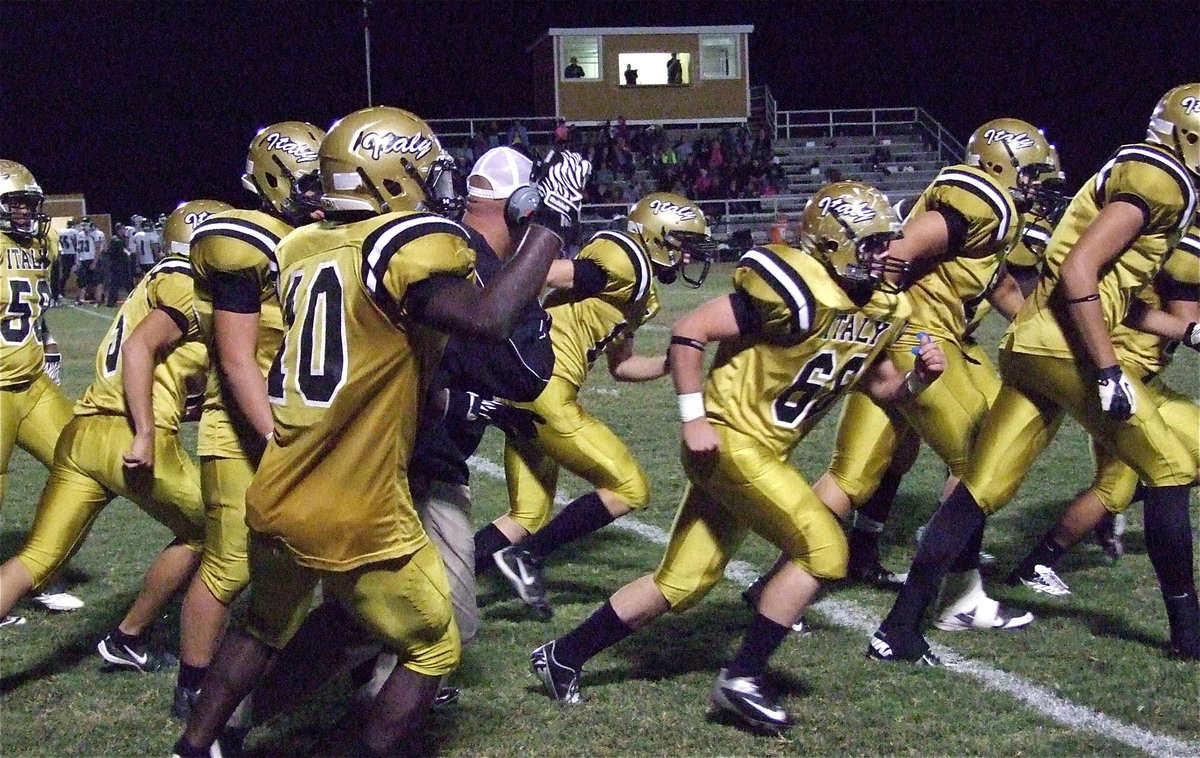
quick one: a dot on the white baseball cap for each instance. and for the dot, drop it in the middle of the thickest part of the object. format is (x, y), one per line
(504, 169)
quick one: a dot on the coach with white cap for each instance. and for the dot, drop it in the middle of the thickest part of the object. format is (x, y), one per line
(472, 376)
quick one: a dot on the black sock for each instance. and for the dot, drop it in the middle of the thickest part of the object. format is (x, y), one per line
(581, 516)
(953, 528)
(1047, 553)
(968, 559)
(601, 630)
(190, 676)
(185, 750)
(879, 505)
(488, 540)
(129, 640)
(1169, 544)
(763, 637)
(1169, 538)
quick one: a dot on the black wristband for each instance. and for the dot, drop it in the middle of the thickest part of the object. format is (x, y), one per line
(687, 342)
(1108, 374)
(1084, 299)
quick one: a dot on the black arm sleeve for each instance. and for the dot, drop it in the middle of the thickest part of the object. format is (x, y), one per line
(589, 278)
(179, 319)
(233, 293)
(1172, 289)
(743, 312)
(1139, 201)
(956, 225)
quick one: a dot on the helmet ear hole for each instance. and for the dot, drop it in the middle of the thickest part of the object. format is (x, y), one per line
(393, 187)
(272, 181)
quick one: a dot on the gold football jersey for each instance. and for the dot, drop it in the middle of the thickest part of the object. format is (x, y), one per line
(1143, 174)
(1150, 352)
(582, 329)
(239, 244)
(946, 299)
(24, 295)
(346, 386)
(167, 286)
(814, 345)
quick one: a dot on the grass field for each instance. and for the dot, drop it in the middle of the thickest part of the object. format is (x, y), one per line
(1089, 677)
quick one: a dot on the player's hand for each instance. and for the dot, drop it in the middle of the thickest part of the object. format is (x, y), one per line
(141, 453)
(509, 419)
(700, 438)
(560, 178)
(931, 361)
(1117, 398)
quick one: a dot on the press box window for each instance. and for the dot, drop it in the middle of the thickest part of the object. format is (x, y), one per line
(654, 68)
(583, 52)
(719, 57)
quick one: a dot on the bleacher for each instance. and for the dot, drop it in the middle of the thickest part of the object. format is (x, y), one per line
(838, 142)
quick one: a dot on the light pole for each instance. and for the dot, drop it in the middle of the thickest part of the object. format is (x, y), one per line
(366, 4)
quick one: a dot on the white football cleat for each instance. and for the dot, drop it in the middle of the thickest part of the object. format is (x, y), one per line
(54, 599)
(964, 605)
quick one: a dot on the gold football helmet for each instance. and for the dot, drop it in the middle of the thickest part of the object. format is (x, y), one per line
(281, 168)
(384, 159)
(21, 202)
(848, 227)
(1175, 124)
(1016, 154)
(181, 224)
(674, 232)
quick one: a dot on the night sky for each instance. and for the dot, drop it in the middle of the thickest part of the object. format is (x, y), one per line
(143, 104)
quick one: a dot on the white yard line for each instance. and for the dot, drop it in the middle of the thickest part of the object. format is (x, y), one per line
(87, 311)
(845, 613)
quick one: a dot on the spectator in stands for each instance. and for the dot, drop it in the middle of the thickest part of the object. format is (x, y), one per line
(561, 134)
(631, 75)
(674, 70)
(517, 138)
(491, 135)
(573, 69)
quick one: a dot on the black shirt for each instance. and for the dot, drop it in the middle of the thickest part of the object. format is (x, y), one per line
(516, 369)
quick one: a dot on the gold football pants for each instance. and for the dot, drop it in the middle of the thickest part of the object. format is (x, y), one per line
(573, 439)
(946, 416)
(403, 602)
(1038, 392)
(88, 473)
(224, 568)
(31, 416)
(1116, 482)
(745, 488)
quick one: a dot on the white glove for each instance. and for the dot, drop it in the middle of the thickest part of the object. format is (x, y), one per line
(1117, 398)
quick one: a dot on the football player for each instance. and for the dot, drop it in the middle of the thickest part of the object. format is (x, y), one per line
(65, 264)
(1023, 264)
(1177, 289)
(801, 327)
(957, 236)
(600, 300)
(33, 410)
(367, 297)
(124, 441)
(1057, 358)
(232, 256)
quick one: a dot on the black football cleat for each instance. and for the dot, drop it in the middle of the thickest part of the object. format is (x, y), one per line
(745, 698)
(561, 682)
(900, 649)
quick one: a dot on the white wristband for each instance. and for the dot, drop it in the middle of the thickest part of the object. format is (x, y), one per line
(914, 383)
(691, 406)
